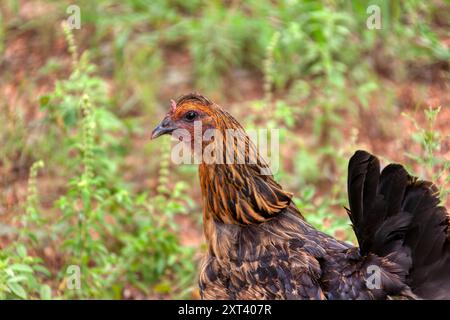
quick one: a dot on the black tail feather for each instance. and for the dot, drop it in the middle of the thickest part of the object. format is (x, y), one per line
(395, 215)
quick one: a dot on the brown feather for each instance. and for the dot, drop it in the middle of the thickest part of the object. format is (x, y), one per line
(260, 247)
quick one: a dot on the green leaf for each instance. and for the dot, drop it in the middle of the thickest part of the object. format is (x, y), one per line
(16, 279)
(162, 287)
(44, 100)
(45, 292)
(42, 269)
(21, 268)
(21, 251)
(18, 290)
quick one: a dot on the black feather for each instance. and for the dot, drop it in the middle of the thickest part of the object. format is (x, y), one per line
(394, 215)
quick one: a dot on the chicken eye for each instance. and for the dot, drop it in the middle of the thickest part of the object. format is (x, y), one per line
(190, 115)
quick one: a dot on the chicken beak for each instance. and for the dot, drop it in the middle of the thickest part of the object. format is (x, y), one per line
(166, 126)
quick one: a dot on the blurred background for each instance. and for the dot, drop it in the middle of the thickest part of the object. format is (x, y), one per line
(84, 193)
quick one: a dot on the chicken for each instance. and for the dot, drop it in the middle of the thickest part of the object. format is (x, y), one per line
(261, 247)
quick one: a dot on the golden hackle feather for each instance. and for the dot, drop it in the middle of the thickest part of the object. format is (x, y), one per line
(236, 193)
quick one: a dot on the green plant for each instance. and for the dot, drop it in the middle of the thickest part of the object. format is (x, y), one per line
(431, 140)
(32, 218)
(115, 236)
(152, 251)
(22, 274)
(321, 214)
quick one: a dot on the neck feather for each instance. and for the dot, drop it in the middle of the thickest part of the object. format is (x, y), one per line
(240, 194)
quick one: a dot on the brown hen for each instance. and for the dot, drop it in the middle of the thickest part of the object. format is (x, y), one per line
(260, 246)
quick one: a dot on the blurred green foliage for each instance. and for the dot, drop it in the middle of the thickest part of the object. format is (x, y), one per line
(316, 62)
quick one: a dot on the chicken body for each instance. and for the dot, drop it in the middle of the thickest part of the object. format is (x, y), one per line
(286, 258)
(260, 246)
